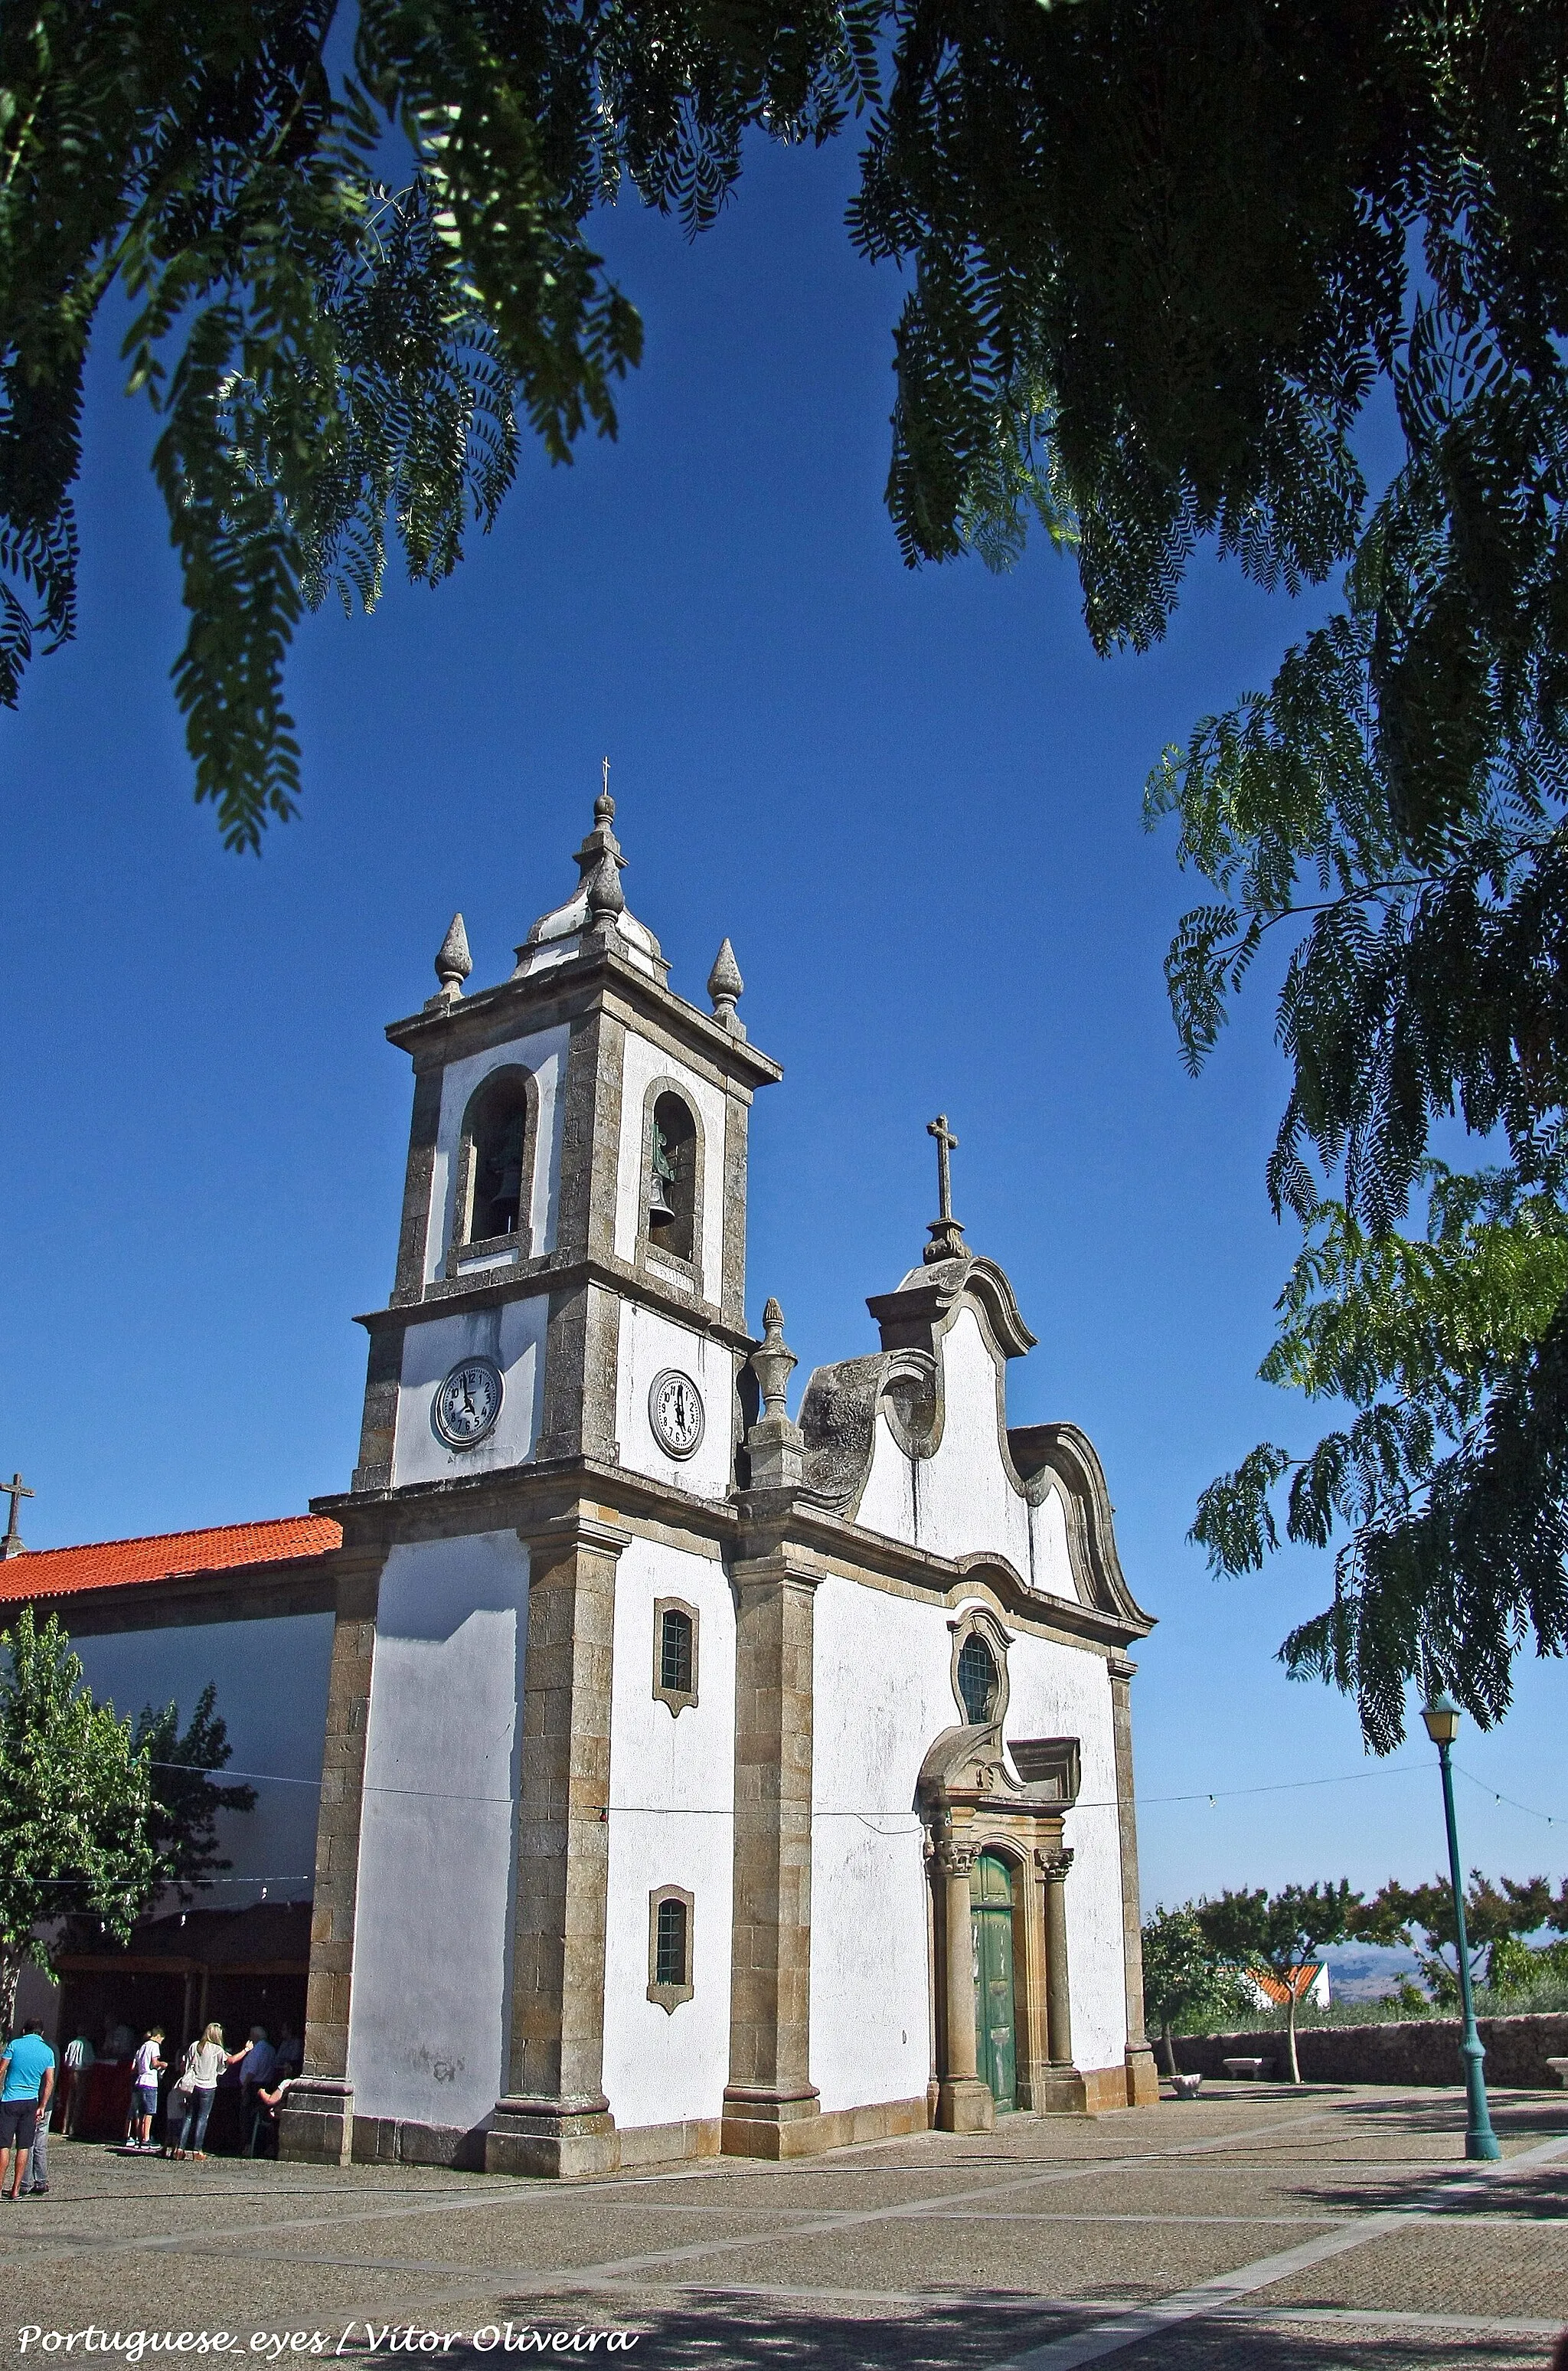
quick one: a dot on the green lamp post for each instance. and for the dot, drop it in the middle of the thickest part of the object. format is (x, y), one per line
(1441, 1718)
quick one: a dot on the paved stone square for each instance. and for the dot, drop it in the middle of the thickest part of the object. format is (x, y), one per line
(1255, 2229)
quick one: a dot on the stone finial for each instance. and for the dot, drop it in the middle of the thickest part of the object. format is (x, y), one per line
(454, 963)
(776, 1448)
(600, 863)
(724, 985)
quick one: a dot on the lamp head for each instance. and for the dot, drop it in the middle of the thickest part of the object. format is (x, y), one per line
(1441, 1718)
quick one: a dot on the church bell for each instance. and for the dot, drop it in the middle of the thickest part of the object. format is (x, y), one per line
(659, 1213)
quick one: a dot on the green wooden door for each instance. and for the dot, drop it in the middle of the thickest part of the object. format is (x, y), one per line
(990, 1910)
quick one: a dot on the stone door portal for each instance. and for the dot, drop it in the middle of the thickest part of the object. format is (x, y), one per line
(991, 1916)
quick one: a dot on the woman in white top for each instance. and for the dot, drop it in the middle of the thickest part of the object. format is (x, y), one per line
(204, 2061)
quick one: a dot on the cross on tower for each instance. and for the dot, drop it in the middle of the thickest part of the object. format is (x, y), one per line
(947, 1236)
(16, 1489)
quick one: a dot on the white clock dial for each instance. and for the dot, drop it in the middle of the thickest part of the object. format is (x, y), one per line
(676, 1413)
(469, 1402)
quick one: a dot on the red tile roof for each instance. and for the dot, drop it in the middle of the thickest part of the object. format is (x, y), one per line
(1302, 1982)
(171, 1556)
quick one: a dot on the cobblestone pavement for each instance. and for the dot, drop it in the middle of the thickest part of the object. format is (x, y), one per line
(1256, 2229)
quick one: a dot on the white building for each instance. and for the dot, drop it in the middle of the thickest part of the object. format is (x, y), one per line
(696, 1778)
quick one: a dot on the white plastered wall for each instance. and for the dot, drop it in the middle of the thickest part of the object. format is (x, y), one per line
(649, 1343)
(1064, 1692)
(964, 1501)
(671, 1804)
(433, 1944)
(513, 1336)
(545, 1055)
(883, 1694)
(643, 1064)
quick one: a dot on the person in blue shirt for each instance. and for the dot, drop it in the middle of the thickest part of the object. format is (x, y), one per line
(26, 2085)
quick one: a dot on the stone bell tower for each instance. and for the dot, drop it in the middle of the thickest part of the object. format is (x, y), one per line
(554, 1377)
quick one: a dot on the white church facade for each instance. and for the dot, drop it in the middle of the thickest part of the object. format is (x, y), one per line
(696, 1778)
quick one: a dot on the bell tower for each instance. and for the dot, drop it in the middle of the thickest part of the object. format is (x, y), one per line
(552, 1399)
(574, 1208)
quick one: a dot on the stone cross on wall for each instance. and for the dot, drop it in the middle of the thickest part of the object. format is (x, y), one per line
(947, 1236)
(16, 1489)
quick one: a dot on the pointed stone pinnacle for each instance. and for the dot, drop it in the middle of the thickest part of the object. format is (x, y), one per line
(453, 964)
(724, 985)
(774, 1445)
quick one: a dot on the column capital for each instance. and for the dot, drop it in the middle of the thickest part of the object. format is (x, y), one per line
(1053, 1866)
(560, 1535)
(1119, 1666)
(954, 1859)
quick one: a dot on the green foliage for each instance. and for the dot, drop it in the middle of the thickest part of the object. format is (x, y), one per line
(1513, 1967)
(1185, 1982)
(1496, 1914)
(323, 351)
(185, 1801)
(74, 1801)
(1275, 1934)
(1445, 1488)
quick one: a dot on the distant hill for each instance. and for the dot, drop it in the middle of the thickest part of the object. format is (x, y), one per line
(1366, 1971)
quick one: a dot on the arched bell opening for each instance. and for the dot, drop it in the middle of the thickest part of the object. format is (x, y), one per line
(496, 1160)
(670, 1187)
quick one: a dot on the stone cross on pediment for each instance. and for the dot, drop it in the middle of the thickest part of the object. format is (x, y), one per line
(947, 1236)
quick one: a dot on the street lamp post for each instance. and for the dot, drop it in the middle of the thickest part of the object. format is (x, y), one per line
(1441, 1718)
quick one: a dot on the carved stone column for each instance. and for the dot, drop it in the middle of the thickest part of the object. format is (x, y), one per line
(771, 2106)
(1142, 2078)
(963, 2102)
(316, 2125)
(1065, 2093)
(555, 2120)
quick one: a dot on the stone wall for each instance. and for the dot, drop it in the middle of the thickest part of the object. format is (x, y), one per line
(1424, 2050)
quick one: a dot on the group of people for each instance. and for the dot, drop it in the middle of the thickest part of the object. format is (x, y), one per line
(27, 2091)
(265, 2073)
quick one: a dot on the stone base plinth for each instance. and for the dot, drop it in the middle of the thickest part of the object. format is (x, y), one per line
(965, 2105)
(552, 2140)
(1060, 2091)
(1143, 2076)
(760, 2121)
(315, 2126)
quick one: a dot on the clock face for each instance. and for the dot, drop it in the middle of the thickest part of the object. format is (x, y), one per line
(469, 1402)
(675, 1411)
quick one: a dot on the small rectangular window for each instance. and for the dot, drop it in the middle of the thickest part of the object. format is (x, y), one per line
(669, 1947)
(675, 1659)
(675, 1653)
(669, 1960)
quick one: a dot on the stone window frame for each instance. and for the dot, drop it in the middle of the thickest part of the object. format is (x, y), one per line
(677, 1699)
(462, 1245)
(669, 1996)
(670, 1265)
(978, 1621)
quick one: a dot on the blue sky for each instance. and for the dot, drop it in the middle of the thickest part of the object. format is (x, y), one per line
(913, 801)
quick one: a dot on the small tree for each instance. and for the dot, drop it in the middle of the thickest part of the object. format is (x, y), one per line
(74, 1803)
(185, 1802)
(1182, 1976)
(1494, 1914)
(1274, 1935)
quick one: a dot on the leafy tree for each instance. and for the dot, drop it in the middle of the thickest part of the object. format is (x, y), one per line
(74, 1803)
(1184, 1979)
(185, 1801)
(1495, 1913)
(1514, 1967)
(1275, 1934)
(1160, 256)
